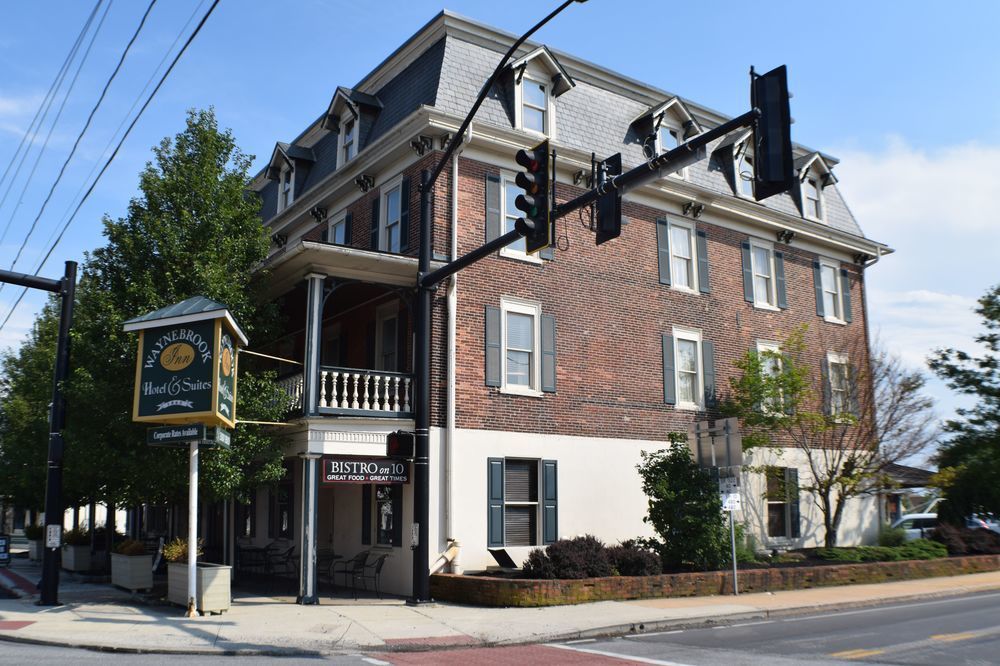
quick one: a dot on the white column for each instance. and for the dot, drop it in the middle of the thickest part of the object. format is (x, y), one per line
(314, 325)
(193, 530)
(307, 541)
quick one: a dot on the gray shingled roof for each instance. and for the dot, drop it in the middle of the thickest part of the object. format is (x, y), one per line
(190, 306)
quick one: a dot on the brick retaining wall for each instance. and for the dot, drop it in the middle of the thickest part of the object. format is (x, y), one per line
(491, 591)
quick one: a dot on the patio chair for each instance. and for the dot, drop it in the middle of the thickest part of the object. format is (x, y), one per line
(372, 572)
(348, 567)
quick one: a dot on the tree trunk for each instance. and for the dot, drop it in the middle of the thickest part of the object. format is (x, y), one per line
(830, 530)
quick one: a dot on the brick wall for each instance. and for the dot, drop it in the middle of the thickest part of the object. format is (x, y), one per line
(490, 591)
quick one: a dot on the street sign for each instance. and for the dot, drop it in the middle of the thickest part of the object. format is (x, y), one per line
(182, 435)
(717, 444)
(53, 536)
(732, 502)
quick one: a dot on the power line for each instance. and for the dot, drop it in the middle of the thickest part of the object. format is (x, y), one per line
(113, 154)
(86, 125)
(55, 122)
(128, 114)
(45, 104)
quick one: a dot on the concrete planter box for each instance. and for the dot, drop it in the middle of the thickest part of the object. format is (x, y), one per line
(35, 550)
(213, 593)
(133, 572)
(76, 558)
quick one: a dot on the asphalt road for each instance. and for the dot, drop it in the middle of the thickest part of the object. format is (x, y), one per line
(956, 630)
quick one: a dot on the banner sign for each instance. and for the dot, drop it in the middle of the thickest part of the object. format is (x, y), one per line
(365, 470)
(186, 373)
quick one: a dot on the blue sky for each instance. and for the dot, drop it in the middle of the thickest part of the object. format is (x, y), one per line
(906, 96)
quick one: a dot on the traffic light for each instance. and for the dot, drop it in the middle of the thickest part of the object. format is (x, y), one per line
(534, 180)
(399, 444)
(773, 170)
(609, 205)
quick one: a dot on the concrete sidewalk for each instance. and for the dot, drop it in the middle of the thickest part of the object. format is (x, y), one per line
(102, 617)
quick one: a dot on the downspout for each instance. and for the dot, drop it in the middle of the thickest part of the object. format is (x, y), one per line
(449, 442)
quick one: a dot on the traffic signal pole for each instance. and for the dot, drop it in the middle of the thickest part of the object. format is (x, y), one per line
(66, 288)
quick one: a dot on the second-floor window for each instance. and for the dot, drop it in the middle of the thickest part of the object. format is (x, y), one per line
(391, 218)
(682, 262)
(286, 189)
(839, 388)
(769, 354)
(338, 230)
(830, 284)
(534, 106)
(762, 258)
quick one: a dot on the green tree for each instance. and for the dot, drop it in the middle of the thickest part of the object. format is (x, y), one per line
(970, 460)
(780, 400)
(193, 230)
(684, 508)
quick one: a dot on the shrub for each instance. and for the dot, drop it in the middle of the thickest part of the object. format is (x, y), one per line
(130, 547)
(951, 537)
(633, 558)
(981, 541)
(838, 554)
(684, 509)
(33, 532)
(582, 557)
(76, 538)
(177, 550)
(892, 537)
(922, 549)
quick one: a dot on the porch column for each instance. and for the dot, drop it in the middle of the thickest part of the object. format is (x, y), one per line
(314, 326)
(307, 541)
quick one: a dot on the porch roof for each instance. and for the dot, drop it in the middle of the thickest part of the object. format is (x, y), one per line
(339, 261)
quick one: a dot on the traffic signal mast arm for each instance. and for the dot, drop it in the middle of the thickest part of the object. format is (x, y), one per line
(650, 171)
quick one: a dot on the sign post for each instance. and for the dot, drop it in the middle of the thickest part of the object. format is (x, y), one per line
(185, 377)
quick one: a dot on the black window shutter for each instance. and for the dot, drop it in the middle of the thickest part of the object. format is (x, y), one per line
(396, 495)
(550, 502)
(366, 515)
(701, 243)
(548, 353)
(747, 272)
(779, 279)
(374, 225)
(824, 369)
(325, 236)
(818, 288)
(845, 290)
(492, 346)
(663, 250)
(348, 228)
(494, 506)
(786, 368)
(708, 363)
(404, 215)
(492, 207)
(792, 497)
(669, 381)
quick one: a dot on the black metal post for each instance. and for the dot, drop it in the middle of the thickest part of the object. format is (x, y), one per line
(49, 592)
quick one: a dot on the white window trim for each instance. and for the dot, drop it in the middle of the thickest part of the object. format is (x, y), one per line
(670, 124)
(349, 117)
(806, 213)
(742, 147)
(775, 347)
(383, 211)
(507, 180)
(535, 310)
(532, 74)
(694, 335)
(771, 303)
(693, 240)
(287, 176)
(837, 358)
(339, 218)
(838, 288)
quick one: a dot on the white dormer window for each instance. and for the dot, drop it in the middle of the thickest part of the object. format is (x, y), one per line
(743, 169)
(669, 137)
(348, 140)
(534, 106)
(812, 197)
(286, 189)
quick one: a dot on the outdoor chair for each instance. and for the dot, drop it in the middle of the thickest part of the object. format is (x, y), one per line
(372, 572)
(349, 567)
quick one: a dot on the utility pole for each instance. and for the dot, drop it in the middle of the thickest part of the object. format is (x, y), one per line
(66, 288)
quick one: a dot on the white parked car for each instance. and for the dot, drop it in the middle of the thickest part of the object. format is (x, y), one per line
(917, 525)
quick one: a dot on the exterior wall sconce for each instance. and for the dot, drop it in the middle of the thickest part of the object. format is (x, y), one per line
(422, 144)
(785, 236)
(693, 209)
(365, 182)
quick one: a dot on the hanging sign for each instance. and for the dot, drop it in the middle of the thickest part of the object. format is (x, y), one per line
(365, 470)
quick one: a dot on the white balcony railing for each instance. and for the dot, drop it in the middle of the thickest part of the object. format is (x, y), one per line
(294, 387)
(355, 390)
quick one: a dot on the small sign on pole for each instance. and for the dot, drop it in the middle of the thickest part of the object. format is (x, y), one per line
(53, 536)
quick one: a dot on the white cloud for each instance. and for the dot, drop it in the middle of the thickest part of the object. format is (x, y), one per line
(17, 106)
(914, 323)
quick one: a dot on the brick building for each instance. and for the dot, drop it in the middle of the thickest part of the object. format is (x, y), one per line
(550, 374)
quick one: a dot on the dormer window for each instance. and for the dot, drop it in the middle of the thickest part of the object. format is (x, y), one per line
(534, 106)
(743, 169)
(286, 189)
(815, 174)
(812, 197)
(348, 140)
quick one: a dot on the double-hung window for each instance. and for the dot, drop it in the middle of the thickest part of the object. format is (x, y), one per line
(782, 502)
(762, 262)
(839, 384)
(521, 502)
(669, 137)
(509, 214)
(534, 106)
(348, 140)
(286, 189)
(337, 233)
(682, 253)
(830, 284)
(812, 198)
(689, 373)
(519, 331)
(392, 201)
(743, 168)
(771, 369)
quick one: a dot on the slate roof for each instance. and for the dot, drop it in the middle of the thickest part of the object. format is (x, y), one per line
(449, 74)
